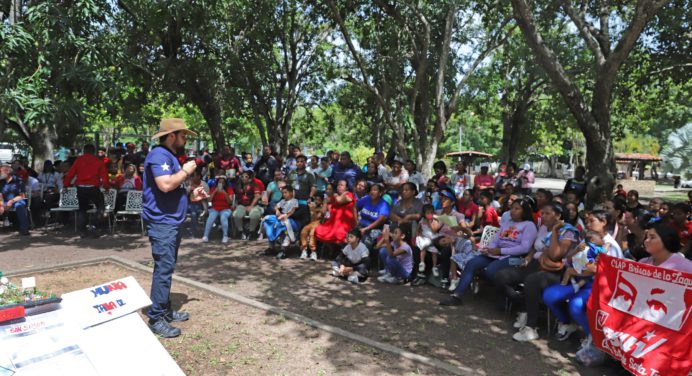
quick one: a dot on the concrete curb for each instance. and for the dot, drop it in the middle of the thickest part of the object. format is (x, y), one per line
(265, 307)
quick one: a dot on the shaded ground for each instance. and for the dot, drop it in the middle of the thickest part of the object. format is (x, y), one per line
(224, 337)
(475, 335)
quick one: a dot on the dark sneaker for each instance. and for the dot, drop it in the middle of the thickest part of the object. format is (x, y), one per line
(281, 255)
(451, 301)
(268, 252)
(162, 328)
(176, 316)
(419, 281)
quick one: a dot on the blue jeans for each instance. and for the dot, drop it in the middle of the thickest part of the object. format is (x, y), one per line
(556, 296)
(213, 214)
(274, 228)
(491, 265)
(21, 212)
(392, 265)
(165, 241)
(195, 209)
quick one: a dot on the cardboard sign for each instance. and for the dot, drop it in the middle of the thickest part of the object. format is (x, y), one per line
(640, 314)
(43, 345)
(98, 304)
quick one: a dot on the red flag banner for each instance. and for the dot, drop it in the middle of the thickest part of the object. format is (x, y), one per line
(640, 314)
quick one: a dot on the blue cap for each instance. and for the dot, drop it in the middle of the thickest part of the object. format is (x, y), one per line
(448, 193)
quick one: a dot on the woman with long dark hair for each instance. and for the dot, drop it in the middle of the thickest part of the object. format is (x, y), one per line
(662, 243)
(514, 241)
(542, 267)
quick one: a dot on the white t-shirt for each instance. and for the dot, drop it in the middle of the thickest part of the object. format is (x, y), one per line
(356, 255)
(614, 250)
(286, 206)
(417, 178)
(402, 178)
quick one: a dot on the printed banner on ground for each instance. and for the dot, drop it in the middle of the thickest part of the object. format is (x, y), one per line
(98, 304)
(640, 314)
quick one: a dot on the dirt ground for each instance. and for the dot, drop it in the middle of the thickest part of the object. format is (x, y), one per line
(476, 335)
(227, 338)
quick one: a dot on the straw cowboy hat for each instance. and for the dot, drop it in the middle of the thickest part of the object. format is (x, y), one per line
(172, 125)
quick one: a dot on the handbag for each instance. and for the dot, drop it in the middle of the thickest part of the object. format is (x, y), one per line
(548, 265)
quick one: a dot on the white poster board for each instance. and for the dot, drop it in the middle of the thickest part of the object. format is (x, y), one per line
(96, 331)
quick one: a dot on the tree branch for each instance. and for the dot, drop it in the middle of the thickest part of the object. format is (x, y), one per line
(585, 32)
(493, 43)
(347, 38)
(606, 74)
(444, 55)
(552, 66)
(604, 34)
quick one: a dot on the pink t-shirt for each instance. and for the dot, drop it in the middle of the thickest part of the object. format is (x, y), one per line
(485, 180)
(674, 262)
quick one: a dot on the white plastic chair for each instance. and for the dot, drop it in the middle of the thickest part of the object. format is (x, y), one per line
(109, 200)
(490, 233)
(133, 207)
(68, 203)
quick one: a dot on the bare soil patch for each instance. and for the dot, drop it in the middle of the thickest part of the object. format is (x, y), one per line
(476, 335)
(224, 337)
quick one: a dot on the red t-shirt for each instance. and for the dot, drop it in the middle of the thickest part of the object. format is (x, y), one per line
(537, 217)
(259, 184)
(467, 209)
(22, 174)
(218, 202)
(684, 232)
(89, 170)
(486, 180)
(247, 193)
(490, 217)
(228, 164)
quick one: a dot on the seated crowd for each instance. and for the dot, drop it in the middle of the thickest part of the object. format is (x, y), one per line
(535, 247)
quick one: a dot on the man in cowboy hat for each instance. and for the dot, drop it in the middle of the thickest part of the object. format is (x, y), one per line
(165, 203)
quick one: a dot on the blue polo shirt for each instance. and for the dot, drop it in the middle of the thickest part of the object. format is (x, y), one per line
(159, 207)
(12, 189)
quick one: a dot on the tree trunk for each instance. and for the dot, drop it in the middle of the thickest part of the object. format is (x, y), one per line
(427, 161)
(594, 122)
(43, 145)
(600, 164)
(212, 115)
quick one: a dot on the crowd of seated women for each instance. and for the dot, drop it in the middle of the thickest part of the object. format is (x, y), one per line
(384, 218)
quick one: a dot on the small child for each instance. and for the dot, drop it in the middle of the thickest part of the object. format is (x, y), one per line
(586, 255)
(276, 225)
(488, 215)
(428, 230)
(395, 255)
(307, 235)
(353, 262)
(620, 191)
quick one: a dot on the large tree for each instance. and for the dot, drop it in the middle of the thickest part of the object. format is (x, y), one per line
(255, 60)
(55, 59)
(591, 106)
(415, 59)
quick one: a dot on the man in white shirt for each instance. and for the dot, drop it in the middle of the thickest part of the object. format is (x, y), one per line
(414, 176)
